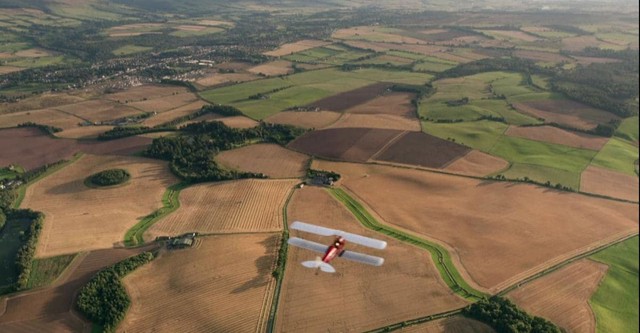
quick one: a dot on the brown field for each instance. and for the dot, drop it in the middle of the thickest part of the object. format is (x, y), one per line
(586, 61)
(477, 163)
(379, 121)
(566, 112)
(139, 93)
(303, 119)
(421, 149)
(205, 117)
(358, 297)
(239, 122)
(432, 50)
(188, 27)
(559, 136)
(457, 324)
(393, 103)
(578, 43)
(135, 29)
(563, 296)
(83, 132)
(46, 100)
(248, 205)
(9, 69)
(215, 79)
(162, 104)
(51, 309)
(351, 98)
(298, 46)
(610, 183)
(278, 67)
(348, 144)
(224, 284)
(391, 59)
(443, 35)
(514, 34)
(79, 218)
(30, 148)
(214, 22)
(541, 56)
(362, 32)
(269, 159)
(33, 53)
(180, 111)
(98, 110)
(498, 232)
(44, 116)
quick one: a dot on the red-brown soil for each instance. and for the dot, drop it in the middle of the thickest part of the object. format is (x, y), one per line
(477, 163)
(393, 103)
(358, 297)
(610, 183)
(566, 112)
(421, 149)
(305, 119)
(349, 144)
(563, 296)
(380, 121)
(457, 324)
(500, 232)
(559, 136)
(52, 309)
(349, 99)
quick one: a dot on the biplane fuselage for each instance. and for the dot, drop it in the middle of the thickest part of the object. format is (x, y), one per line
(335, 249)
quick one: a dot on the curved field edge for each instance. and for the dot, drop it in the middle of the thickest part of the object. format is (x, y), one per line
(170, 203)
(440, 256)
(615, 302)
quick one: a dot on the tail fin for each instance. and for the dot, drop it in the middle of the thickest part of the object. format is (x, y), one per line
(319, 264)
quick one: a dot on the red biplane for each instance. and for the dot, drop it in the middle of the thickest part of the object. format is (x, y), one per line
(336, 249)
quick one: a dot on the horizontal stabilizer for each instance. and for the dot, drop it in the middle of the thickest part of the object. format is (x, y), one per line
(319, 263)
(349, 237)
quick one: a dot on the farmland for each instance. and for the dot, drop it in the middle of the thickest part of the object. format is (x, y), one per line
(79, 218)
(306, 305)
(269, 159)
(572, 224)
(222, 285)
(234, 206)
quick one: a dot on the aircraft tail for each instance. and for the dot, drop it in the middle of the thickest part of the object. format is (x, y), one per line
(319, 264)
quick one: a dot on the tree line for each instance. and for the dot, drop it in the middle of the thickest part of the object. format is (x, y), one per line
(506, 317)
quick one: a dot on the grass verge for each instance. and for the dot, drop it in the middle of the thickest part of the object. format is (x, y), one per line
(45, 271)
(440, 256)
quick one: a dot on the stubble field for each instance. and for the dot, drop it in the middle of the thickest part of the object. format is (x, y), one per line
(269, 159)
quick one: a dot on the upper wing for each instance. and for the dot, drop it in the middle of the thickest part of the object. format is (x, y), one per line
(363, 258)
(309, 245)
(357, 239)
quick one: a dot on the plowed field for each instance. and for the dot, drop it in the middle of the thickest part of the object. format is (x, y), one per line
(249, 205)
(352, 98)
(421, 149)
(358, 297)
(457, 324)
(79, 218)
(378, 121)
(303, 119)
(556, 135)
(279, 67)
(501, 232)
(477, 163)
(270, 159)
(393, 103)
(222, 285)
(566, 112)
(49, 117)
(608, 182)
(563, 296)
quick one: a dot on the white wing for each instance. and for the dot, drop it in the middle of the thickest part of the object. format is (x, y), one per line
(363, 258)
(353, 238)
(309, 245)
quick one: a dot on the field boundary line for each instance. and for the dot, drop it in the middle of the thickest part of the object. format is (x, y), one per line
(383, 148)
(416, 321)
(441, 257)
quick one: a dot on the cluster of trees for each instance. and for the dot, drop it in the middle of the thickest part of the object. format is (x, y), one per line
(126, 131)
(312, 173)
(526, 179)
(3, 219)
(191, 154)
(109, 177)
(606, 130)
(32, 174)
(45, 128)
(506, 317)
(104, 300)
(26, 252)
(7, 197)
(281, 260)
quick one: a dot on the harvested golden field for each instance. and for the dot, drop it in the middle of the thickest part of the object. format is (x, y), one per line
(98, 110)
(374, 33)
(278, 67)
(215, 22)
(563, 296)
(304, 119)
(610, 183)
(43, 116)
(270, 159)
(223, 284)
(189, 27)
(9, 69)
(525, 228)
(298, 46)
(383, 121)
(248, 205)
(215, 79)
(586, 61)
(180, 111)
(46, 100)
(559, 136)
(239, 122)
(358, 297)
(578, 43)
(135, 29)
(457, 324)
(140, 93)
(79, 218)
(83, 132)
(166, 103)
(477, 163)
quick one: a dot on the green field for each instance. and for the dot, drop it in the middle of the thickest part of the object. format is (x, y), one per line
(481, 135)
(190, 33)
(131, 49)
(617, 155)
(303, 88)
(615, 303)
(10, 242)
(45, 271)
(37, 62)
(628, 130)
(542, 174)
